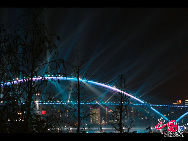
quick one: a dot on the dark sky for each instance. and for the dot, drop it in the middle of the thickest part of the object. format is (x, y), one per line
(148, 45)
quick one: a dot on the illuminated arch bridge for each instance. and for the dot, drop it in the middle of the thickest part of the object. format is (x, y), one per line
(59, 77)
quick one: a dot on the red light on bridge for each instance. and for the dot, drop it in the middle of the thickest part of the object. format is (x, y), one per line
(43, 112)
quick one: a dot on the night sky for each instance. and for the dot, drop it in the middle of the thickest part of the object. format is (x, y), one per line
(148, 45)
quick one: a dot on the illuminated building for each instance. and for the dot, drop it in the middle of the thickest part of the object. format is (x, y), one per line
(110, 116)
(178, 102)
(186, 102)
(95, 115)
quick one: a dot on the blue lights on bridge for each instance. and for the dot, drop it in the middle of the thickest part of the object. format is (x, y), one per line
(109, 103)
(160, 114)
(73, 79)
(60, 77)
(181, 116)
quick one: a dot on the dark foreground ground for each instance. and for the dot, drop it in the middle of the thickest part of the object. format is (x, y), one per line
(89, 136)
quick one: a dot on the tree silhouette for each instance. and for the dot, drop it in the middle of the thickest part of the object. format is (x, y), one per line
(24, 53)
(121, 110)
